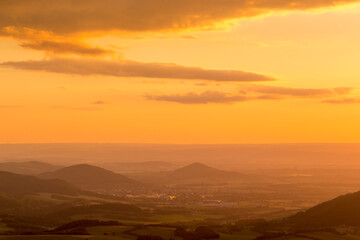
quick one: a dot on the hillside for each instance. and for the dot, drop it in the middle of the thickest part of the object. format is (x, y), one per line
(27, 168)
(11, 183)
(110, 210)
(199, 172)
(93, 178)
(138, 167)
(343, 210)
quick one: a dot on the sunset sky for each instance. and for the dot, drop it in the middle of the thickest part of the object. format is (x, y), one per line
(171, 71)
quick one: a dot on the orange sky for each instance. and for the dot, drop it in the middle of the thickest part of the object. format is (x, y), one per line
(233, 71)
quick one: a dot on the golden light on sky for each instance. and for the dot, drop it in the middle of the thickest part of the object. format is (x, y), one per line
(159, 71)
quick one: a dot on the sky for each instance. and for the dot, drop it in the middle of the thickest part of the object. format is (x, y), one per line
(156, 71)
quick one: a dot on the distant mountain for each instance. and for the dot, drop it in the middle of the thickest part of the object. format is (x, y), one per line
(343, 210)
(27, 168)
(11, 183)
(93, 178)
(198, 172)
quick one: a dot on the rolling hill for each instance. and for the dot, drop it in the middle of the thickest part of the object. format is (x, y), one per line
(343, 210)
(198, 172)
(138, 167)
(23, 195)
(93, 178)
(27, 168)
(11, 183)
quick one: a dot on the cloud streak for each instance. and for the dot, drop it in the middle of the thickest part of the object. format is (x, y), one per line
(129, 69)
(342, 101)
(68, 16)
(10, 106)
(66, 48)
(99, 102)
(297, 92)
(76, 108)
(206, 98)
(50, 43)
(257, 92)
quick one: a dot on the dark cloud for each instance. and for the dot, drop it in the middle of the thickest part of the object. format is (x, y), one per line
(342, 101)
(69, 16)
(66, 48)
(206, 97)
(124, 68)
(296, 92)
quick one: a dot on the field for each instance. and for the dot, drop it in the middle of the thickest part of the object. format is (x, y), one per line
(129, 233)
(4, 228)
(49, 237)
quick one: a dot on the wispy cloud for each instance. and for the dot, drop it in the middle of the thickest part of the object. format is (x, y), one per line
(51, 43)
(99, 103)
(10, 106)
(125, 68)
(66, 48)
(296, 92)
(76, 108)
(342, 101)
(207, 97)
(189, 37)
(257, 92)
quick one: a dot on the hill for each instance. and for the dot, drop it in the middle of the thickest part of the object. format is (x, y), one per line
(11, 183)
(93, 178)
(27, 168)
(138, 167)
(198, 172)
(343, 210)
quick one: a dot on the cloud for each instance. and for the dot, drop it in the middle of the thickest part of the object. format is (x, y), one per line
(189, 37)
(200, 84)
(76, 108)
(66, 48)
(99, 103)
(125, 68)
(10, 106)
(256, 92)
(342, 101)
(50, 43)
(206, 97)
(69, 16)
(297, 92)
